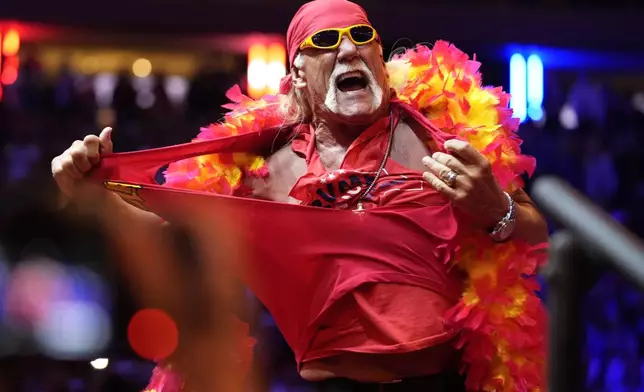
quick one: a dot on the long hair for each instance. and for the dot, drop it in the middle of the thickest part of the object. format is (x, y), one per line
(295, 107)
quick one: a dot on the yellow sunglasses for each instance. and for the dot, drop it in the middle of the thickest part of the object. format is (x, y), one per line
(329, 39)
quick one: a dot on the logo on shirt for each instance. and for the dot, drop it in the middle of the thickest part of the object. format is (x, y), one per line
(340, 188)
(128, 192)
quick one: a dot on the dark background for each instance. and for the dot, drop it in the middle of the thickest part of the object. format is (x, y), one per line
(593, 57)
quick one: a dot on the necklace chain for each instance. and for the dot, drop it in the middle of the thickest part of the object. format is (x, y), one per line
(360, 205)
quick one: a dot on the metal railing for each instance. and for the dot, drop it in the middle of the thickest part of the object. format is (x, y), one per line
(589, 238)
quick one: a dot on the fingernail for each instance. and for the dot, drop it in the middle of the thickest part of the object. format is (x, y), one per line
(427, 160)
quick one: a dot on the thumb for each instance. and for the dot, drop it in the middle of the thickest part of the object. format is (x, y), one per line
(105, 139)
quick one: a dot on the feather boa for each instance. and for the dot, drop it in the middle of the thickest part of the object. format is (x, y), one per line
(501, 319)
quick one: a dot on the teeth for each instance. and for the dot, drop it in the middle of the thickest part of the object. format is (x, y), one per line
(352, 74)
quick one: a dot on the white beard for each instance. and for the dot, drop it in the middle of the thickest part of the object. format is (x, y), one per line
(331, 100)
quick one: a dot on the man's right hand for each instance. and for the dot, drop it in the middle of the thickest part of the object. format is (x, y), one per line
(72, 165)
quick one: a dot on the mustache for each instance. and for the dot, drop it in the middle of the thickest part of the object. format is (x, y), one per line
(358, 65)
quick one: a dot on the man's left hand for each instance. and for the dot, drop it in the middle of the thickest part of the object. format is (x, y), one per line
(465, 177)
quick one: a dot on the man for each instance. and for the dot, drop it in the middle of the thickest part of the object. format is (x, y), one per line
(347, 141)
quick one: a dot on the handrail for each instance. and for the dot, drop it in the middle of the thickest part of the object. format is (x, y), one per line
(587, 233)
(592, 228)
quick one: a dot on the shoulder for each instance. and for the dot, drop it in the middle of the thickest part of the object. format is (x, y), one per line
(285, 167)
(284, 158)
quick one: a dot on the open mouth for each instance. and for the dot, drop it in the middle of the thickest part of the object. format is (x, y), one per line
(351, 81)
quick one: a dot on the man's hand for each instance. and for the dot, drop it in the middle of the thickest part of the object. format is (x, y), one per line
(465, 177)
(72, 165)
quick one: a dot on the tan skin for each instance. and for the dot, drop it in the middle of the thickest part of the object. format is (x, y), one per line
(333, 130)
(475, 192)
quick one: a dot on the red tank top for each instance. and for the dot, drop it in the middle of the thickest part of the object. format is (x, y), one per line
(378, 318)
(302, 261)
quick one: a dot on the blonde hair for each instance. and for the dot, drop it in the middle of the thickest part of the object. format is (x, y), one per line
(295, 107)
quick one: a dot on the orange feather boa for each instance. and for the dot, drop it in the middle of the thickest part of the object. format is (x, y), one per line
(500, 318)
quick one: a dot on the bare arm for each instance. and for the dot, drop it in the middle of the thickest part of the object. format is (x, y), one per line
(126, 212)
(69, 168)
(530, 225)
(410, 147)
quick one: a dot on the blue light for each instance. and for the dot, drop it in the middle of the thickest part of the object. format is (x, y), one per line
(578, 59)
(535, 113)
(535, 87)
(535, 81)
(518, 86)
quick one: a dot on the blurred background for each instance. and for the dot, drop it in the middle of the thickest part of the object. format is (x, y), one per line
(158, 70)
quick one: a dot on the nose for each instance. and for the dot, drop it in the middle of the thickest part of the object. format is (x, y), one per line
(347, 50)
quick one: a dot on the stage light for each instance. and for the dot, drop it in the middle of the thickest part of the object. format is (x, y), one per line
(142, 68)
(176, 87)
(73, 329)
(9, 74)
(9, 48)
(152, 334)
(518, 86)
(100, 363)
(104, 85)
(276, 67)
(11, 43)
(266, 68)
(568, 117)
(89, 65)
(535, 87)
(257, 70)
(638, 102)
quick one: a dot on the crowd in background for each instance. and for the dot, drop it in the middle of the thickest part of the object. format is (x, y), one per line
(590, 136)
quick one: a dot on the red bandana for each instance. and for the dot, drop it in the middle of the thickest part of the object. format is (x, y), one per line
(317, 15)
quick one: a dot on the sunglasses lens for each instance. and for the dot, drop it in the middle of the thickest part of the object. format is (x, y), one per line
(325, 39)
(361, 34)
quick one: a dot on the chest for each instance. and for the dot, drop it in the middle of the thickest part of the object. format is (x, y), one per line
(287, 167)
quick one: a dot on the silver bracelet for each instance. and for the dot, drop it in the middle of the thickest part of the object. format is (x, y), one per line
(504, 228)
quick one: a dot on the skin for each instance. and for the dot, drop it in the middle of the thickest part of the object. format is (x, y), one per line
(475, 190)
(356, 111)
(337, 125)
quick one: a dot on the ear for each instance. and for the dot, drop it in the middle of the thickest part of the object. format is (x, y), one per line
(297, 74)
(298, 77)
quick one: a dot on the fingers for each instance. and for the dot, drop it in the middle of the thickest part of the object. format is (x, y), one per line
(439, 169)
(450, 162)
(78, 159)
(105, 139)
(440, 165)
(92, 144)
(440, 186)
(65, 173)
(466, 152)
